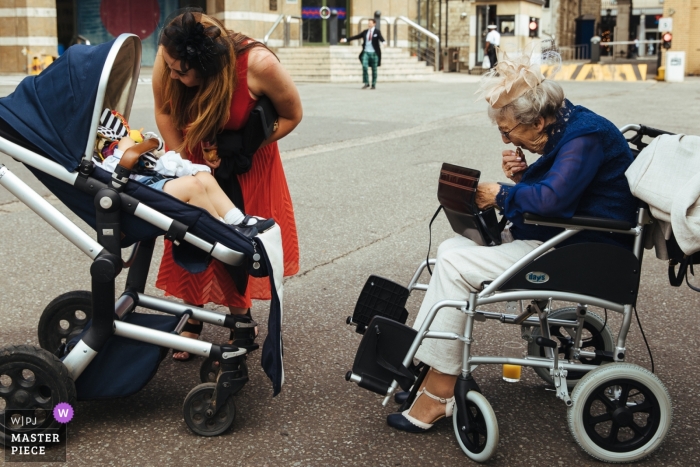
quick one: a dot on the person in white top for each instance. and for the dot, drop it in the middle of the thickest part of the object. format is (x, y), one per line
(493, 40)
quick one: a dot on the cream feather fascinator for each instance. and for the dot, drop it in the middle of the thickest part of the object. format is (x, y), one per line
(513, 77)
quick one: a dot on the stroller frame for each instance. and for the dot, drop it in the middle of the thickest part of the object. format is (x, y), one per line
(105, 252)
(541, 305)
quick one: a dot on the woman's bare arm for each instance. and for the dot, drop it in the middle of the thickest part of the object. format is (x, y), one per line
(267, 77)
(171, 136)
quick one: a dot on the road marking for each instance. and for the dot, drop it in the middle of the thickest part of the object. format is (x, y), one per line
(596, 72)
(449, 122)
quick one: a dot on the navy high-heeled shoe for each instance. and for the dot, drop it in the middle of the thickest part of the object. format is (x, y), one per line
(404, 422)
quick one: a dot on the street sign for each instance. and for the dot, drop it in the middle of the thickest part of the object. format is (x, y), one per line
(666, 24)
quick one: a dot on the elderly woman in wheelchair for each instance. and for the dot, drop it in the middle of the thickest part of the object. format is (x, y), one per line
(573, 206)
(581, 173)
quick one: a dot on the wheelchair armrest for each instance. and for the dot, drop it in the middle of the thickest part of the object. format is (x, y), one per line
(578, 221)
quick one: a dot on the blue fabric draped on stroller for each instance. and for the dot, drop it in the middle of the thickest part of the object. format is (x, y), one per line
(49, 123)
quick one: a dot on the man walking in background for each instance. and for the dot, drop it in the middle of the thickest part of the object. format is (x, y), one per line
(493, 40)
(371, 55)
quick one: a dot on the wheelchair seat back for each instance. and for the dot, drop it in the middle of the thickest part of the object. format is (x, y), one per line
(596, 269)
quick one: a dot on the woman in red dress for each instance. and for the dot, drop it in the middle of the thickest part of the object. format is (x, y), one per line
(207, 79)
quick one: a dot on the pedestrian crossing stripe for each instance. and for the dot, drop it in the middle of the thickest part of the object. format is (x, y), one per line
(596, 72)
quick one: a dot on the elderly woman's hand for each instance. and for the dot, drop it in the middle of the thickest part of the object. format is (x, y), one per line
(486, 195)
(513, 164)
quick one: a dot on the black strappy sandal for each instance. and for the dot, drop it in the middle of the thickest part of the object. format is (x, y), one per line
(192, 329)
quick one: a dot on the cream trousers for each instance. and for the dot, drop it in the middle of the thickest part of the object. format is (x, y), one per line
(461, 267)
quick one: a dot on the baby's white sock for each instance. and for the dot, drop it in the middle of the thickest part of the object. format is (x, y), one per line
(234, 217)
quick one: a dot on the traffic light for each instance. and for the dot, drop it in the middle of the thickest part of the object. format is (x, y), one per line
(666, 40)
(534, 27)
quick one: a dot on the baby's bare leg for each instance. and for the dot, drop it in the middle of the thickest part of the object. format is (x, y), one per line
(190, 190)
(217, 197)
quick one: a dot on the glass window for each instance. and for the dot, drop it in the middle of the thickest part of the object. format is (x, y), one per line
(506, 25)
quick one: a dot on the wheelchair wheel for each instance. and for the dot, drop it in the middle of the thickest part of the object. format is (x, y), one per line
(209, 370)
(200, 416)
(621, 413)
(596, 335)
(64, 318)
(32, 379)
(480, 438)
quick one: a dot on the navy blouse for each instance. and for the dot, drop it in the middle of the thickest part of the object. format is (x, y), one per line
(582, 172)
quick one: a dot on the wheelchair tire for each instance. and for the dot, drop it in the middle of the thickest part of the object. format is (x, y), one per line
(596, 336)
(480, 443)
(32, 379)
(197, 416)
(63, 318)
(610, 430)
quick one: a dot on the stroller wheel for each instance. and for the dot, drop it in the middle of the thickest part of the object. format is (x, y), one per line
(477, 429)
(596, 335)
(32, 383)
(621, 413)
(209, 370)
(64, 318)
(200, 416)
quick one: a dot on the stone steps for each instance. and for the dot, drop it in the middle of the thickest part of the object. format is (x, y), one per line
(340, 64)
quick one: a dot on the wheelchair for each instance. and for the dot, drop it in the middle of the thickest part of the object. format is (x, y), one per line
(617, 411)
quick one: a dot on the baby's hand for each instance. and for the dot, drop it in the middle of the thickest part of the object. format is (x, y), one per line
(125, 143)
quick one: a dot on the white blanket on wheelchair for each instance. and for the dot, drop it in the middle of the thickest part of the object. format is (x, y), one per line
(666, 175)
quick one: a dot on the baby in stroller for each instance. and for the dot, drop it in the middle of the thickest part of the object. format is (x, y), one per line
(191, 183)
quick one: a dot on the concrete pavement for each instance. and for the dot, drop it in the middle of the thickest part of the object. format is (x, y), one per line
(362, 169)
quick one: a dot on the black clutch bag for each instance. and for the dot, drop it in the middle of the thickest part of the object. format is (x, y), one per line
(457, 196)
(236, 148)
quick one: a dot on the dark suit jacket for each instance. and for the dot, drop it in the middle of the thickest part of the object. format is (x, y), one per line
(376, 37)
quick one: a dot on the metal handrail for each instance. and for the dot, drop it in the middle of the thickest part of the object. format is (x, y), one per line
(287, 34)
(422, 30)
(272, 29)
(388, 26)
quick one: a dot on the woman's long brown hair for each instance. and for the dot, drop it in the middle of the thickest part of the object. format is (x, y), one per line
(202, 111)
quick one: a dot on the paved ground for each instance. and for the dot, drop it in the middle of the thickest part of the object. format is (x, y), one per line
(362, 169)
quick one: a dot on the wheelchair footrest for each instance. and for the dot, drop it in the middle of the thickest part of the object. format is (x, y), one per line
(379, 297)
(379, 359)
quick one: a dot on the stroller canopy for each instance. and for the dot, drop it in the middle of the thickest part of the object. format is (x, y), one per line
(58, 110)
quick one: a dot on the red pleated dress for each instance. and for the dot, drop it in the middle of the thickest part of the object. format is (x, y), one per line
(266, 195)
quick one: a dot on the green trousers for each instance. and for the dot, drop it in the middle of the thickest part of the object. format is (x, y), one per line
(369, 59)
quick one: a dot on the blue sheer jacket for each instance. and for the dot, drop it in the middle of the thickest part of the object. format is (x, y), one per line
(582, 173)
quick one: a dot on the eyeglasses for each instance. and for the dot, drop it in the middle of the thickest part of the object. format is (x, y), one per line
(506, 134)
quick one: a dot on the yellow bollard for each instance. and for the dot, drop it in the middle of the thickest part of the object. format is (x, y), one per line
(661, 73)
(36, 66)
(48, 60)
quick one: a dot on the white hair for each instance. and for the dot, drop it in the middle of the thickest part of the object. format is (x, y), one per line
(544, 100)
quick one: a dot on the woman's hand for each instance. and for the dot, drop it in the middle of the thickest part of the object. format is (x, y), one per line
(486, 195)
(513, 164)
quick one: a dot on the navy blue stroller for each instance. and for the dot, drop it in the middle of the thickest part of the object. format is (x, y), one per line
(94, 346)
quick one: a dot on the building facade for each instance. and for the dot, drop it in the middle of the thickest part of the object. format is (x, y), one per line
(31, 28)
(686, 31)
